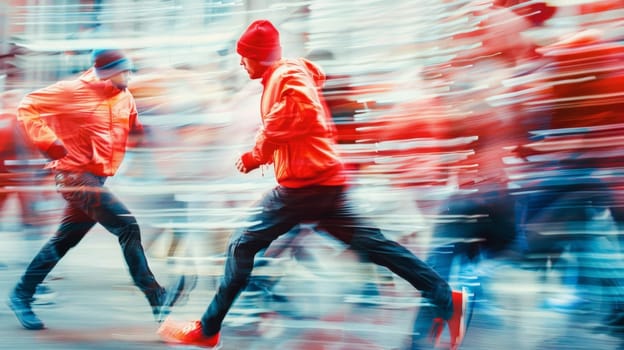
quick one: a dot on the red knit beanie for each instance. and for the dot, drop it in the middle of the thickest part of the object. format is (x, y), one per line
(260, 42)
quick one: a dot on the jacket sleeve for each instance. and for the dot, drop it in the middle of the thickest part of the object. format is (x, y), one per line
(298, 111)
(33, 108)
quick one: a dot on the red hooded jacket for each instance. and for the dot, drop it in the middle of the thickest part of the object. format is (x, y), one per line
(298, 135)
(92, 119)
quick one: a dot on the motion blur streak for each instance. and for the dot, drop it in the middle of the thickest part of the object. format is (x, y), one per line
(485, 136)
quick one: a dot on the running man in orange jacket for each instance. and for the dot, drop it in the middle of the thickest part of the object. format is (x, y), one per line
(84, 126)
(297, 137)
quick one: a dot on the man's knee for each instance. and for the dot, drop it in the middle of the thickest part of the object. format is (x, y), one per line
(246, 245)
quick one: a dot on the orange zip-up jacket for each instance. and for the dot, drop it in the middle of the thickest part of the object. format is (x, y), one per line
(92, 119)
(298, 135)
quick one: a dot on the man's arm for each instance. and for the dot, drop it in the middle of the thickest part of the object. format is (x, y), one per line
(297, 112)
(29, 116)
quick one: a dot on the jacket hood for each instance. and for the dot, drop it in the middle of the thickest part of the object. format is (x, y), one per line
(315, 70)
(292, 65)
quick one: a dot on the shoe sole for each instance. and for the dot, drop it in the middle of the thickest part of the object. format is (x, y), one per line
(164, 333)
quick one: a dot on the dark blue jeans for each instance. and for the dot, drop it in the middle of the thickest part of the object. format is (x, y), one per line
(328, 206)
(88, 203)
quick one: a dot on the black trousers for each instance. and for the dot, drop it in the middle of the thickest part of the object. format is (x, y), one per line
(88, 203)
(328, 206)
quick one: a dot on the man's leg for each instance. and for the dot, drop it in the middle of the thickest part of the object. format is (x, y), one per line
(104, 207)
(238, 266)
(74, 226)
(373, 246)
(273, 221)
(99, 204)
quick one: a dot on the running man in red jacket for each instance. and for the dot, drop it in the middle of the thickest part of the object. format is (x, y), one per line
(83, 126)
(297, 137)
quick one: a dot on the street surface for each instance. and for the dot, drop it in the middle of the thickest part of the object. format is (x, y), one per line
(96, 307)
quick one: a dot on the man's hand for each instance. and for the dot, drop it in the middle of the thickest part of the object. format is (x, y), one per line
(246, 163)
(56, 150)
(240, 166)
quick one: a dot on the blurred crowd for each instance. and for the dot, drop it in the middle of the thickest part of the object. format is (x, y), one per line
(478, 133)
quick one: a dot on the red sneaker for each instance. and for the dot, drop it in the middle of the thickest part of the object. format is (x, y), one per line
(457, 322)
(188, 333)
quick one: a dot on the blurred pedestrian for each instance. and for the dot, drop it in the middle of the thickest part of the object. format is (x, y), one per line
(575, 140)
(23, 179)
(83, 126)
(298, 137)
(476, 224)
